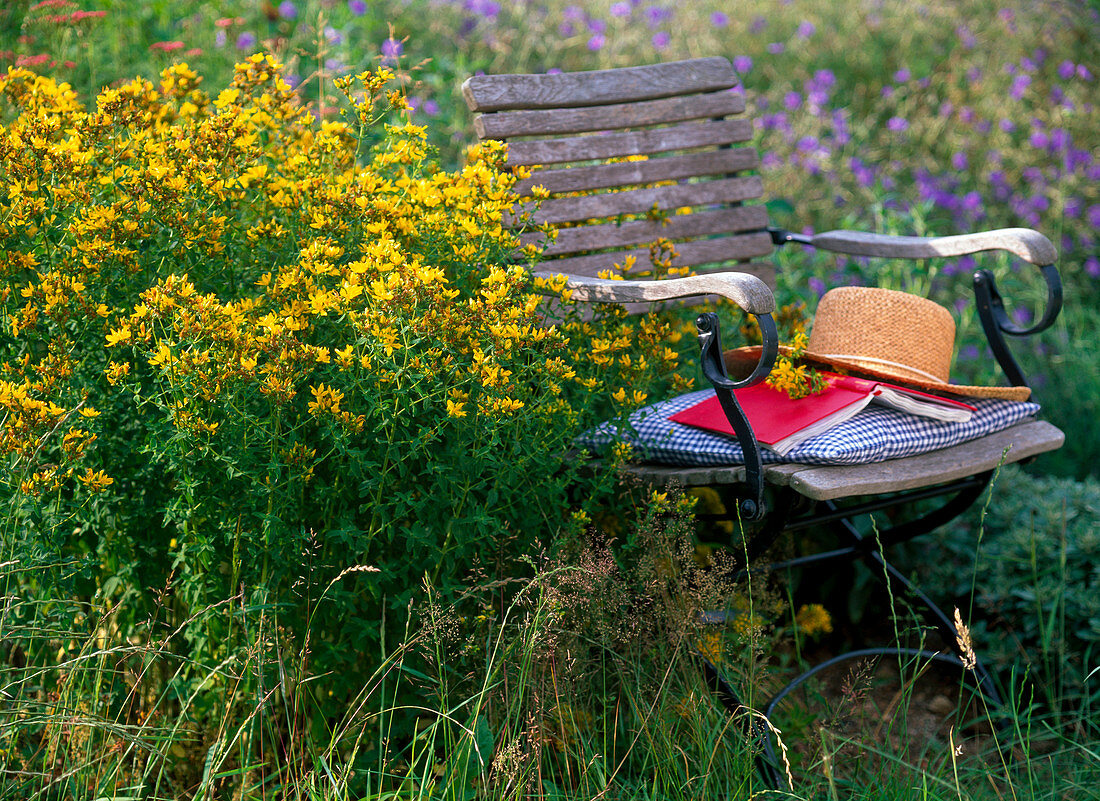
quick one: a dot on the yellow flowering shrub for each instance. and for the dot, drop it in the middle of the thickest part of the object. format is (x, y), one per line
(241, 346)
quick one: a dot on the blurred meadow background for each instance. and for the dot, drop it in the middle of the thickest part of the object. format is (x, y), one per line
(236, 578)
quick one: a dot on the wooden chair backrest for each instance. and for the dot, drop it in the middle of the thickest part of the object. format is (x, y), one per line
(685, 118)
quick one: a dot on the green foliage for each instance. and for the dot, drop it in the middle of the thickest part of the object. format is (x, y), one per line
(1032, 564)
(244, 353)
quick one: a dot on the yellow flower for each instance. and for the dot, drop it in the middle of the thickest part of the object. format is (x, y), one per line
(326, 399)
(96, 481)
(119, 336)
(710, 646)
(456, 409)
(813, 619)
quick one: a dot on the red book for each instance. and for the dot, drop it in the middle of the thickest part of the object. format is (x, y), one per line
(781, 423)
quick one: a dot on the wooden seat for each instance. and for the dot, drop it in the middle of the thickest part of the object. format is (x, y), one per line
(823, 483)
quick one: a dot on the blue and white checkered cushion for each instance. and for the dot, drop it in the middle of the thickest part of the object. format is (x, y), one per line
(875, 434)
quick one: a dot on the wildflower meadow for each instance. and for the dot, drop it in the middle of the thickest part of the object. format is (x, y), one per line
(287, 513)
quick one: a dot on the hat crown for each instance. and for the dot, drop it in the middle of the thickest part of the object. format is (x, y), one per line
(892, 333)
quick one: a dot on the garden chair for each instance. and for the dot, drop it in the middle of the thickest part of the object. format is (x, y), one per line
(686, 118)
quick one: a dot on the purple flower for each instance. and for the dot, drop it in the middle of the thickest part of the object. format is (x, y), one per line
(742, 64)
(566, 29)
(897, 124)
(1039, 203)
(887, 91)
(959, 161)
(719, 19)
(620, 9)
(807, 144)
(485, 8)
(1073, 207)
(333, 36)
(792, 100)
(661, 40)
(972, 202)
(220, 39)
(596, 42)
(1007, 125)
(966, 37)
(287, 10)
(1092, 267)
(431, 108)
(775, 48)
(655, 15)
(575, 13)
(1019, 85)
(357, 7)
(817, 285)
(1066, 70)
(805, 30)
(758, 24)
(1039, 139)
(902, 75)
(391, 48)
(823, 79)
(1092, 214)
(1083, 73)
(597, 26)
(246, 41)
(865, 175)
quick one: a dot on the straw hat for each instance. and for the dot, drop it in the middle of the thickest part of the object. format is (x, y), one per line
(880, 333)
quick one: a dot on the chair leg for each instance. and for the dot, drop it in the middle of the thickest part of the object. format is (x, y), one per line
(869, 550)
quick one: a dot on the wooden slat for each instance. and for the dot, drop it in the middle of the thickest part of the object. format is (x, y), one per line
(640, 201)
(937, 467)
(598, 87)
(689, 254)
(667, 168)
(688, 476)
(546, 122)
(638, 232)
(654, 140)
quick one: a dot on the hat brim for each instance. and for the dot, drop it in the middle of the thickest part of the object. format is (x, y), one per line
(740, 358)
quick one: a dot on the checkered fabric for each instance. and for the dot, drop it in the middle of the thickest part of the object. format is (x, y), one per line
(875, 434)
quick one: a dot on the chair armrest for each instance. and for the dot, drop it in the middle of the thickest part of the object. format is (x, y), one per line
(1026, 243)
(747, 291)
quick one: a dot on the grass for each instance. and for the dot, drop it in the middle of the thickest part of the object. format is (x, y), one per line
(574, 677)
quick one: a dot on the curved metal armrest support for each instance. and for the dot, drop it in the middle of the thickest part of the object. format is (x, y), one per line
(1028, 244)
(714, 368)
